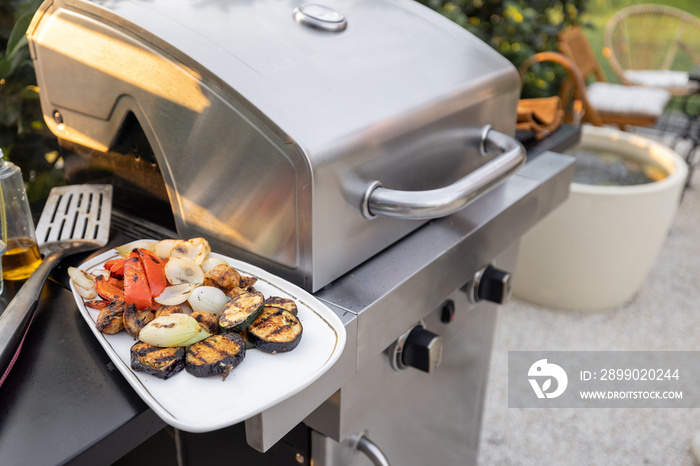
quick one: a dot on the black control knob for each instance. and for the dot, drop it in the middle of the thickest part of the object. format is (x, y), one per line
(490, 284)
(422, 350)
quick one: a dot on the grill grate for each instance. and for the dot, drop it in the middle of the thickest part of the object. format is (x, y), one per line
(138, 228)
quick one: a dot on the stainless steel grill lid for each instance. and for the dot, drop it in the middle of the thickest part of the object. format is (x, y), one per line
(274, 121)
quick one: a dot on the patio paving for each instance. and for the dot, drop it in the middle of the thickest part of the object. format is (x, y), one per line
(663, 316)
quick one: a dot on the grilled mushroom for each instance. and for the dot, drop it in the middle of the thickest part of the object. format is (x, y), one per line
(135, 319)
(166, 310)
(209, 321)
(111, 319)
(222, 276)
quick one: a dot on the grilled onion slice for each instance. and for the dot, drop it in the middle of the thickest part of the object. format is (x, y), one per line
(180, 270)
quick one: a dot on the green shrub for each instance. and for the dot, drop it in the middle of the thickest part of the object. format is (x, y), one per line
(517, 29)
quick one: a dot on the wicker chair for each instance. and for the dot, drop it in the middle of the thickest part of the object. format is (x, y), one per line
(654, 45)
(615, 104)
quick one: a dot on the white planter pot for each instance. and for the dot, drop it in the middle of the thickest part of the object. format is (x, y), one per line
(595, 250)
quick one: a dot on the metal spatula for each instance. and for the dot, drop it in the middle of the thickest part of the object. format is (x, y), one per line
(75, 219)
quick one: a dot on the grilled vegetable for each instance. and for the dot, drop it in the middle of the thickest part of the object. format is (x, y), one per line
(111, 319)
(207, 298)
(167, 310)
(180, 270)
(160, 362)
(136, 290)
(211, 262)
(107, 290)
(163, 247)
(175, 294)
(247, 282)
(283, 303)
(155, 271)
(241, 311)
(233, 292)
(197, 249)
(244, 336)
(115, 267)
(208, 321)
(222, 276)
(84, 283)
(173, 330)
(127, 248)
(136, 319)
(275, 331)
(216, 355)
(97, 304)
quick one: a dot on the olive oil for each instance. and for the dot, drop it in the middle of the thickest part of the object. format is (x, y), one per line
(21, 258)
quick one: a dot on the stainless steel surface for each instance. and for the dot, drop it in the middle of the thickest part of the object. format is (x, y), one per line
(267, 133)
(435, 203)
(387, 296)
(74, 219)
(415, 274)
(413, 417)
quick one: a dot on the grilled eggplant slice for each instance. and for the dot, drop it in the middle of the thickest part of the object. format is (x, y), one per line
(283, 303)
(160, 362)
(244, 336)
(275, 331)
(223, 277)
(110, 320)
(241, 311)
(208, 321)
(216, 355)
(135, 320)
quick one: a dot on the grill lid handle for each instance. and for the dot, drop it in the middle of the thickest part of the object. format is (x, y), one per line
(435, 203)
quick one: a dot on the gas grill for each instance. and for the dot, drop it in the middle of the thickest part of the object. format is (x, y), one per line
(359, 149)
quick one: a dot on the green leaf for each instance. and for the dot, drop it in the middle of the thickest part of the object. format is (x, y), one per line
(18, 36)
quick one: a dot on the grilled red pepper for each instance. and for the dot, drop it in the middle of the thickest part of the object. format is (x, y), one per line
(97, 303)
(136, 289)
(108, 290)
(154, 267)
(115, 267)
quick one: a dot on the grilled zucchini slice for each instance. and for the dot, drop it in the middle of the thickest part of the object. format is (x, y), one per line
(216, 355)
(241, 311)
(275, 331)
(160, 362)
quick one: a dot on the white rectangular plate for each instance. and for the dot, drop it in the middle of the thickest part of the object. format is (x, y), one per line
(261, 380)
